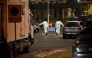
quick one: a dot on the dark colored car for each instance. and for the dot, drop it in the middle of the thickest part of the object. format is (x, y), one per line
(36, 28)
(88, 24)
(82, 47)
(72, 28)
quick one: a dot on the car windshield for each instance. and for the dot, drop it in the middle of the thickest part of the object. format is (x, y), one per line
(85, 37)
(71, 24)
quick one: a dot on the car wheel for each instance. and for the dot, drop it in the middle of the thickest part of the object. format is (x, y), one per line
(69, 36)
(73, 55)
(38, 30)
(64, 36)
(35, 31)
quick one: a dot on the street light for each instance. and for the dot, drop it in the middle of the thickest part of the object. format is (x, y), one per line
(90, 0)
(48, 10)
(88, 5)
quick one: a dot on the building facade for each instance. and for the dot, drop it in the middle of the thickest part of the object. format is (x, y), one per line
(57, 8)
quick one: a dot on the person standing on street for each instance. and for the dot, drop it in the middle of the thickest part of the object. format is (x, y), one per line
(57, 26)
(31, 29)
(45, 25)
(30, 16)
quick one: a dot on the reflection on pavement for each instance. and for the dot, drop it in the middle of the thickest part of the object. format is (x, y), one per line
(46, 36)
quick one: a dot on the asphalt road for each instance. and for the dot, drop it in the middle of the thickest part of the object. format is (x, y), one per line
(50, 41)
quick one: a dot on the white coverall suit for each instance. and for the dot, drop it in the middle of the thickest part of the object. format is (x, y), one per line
(57, 26)
(45, 25)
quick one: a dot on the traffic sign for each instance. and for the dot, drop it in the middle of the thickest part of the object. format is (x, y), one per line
(14, 13)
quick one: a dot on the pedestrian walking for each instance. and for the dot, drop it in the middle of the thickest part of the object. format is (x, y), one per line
(45, 26)
(57, 26)
(31, 34)
(37, 17)
(31, 29)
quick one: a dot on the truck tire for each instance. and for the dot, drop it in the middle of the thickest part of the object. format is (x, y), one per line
(26, 49)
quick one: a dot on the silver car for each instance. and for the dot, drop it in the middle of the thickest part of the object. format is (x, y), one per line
(82, 47)
(72, 28)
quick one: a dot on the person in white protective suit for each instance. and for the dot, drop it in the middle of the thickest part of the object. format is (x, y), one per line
(45, 26)
(57, 26)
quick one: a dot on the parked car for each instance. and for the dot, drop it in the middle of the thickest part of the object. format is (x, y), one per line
(72, 28)
(88, 24)
(36, 28)
(82, 47)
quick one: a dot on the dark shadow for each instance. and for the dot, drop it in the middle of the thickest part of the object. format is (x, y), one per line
(71, 37)
(4, 49)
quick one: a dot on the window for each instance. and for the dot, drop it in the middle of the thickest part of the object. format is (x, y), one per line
(23, 8)
(71, 24)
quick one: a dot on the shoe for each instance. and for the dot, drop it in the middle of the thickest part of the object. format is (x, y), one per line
(56, 33)
(46, 33)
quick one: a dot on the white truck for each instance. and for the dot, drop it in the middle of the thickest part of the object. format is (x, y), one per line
(19, 43)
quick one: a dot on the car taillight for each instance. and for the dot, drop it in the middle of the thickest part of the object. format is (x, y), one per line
(77, 44)
(64, 27)
(79, 27)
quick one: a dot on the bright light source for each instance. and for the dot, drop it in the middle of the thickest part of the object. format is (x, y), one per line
(90, 1)
(69, 9)
(85, 11)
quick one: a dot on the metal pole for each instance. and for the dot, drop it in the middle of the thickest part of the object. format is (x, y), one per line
(48, 10)
(87, 6)
(0, 21)
(15, 41)
(73, 8)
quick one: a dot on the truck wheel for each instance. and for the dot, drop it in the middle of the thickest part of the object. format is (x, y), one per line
(26, 49)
